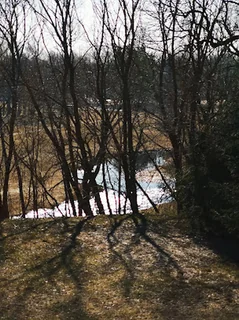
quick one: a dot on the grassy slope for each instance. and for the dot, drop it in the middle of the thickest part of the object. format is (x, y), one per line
(112, 268)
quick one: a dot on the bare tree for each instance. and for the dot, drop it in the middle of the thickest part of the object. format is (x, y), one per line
(13, 39)
(193, 38)
(118, 33)
(74, 132)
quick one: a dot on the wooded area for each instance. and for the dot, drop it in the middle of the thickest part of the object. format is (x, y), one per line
(151, 69)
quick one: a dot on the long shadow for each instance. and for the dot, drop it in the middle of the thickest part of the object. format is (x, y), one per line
(66, 254)
(47, 272)
(177, 298)
(115, 225)
(65, 257)
(124, 258)
(74, 271)
(140, 231)
(227, 247)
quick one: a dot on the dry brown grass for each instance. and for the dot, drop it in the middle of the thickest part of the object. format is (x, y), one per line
(34, 145)
(28, 137)
(110, 268)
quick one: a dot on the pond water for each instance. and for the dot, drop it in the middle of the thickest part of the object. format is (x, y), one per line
(113, 198)
(111, 175)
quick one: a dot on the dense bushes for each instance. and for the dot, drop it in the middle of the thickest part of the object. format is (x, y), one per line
(209, 186)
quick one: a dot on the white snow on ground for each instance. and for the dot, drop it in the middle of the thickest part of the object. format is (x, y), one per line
(65, 209)
(149, 179)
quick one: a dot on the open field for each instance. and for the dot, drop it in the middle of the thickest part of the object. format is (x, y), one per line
(113, 268)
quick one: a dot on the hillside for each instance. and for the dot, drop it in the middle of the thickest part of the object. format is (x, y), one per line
(113, 268)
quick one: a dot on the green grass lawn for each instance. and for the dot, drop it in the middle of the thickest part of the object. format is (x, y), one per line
(112, 268)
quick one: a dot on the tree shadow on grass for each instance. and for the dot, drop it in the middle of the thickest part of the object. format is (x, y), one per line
(140, 231)
(122, 250)
(39, 287)
(42, 283)
(164, 286)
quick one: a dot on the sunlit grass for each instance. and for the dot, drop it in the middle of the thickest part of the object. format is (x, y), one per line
(103, 268)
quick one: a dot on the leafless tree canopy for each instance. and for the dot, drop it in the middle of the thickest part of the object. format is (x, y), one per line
(78, 98)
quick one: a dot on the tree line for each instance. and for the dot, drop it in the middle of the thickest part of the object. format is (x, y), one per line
(171, 66)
